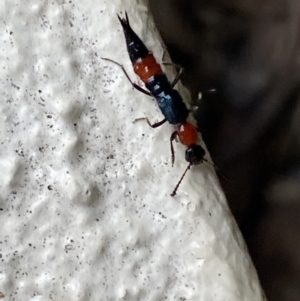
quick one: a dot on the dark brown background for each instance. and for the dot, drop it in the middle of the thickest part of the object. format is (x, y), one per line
(250, 51)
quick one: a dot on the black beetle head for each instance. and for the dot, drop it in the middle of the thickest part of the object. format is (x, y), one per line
(194, 154)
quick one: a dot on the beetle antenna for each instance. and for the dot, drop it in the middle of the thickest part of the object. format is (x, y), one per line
(176, 187)
(211, 164)
(217, 169)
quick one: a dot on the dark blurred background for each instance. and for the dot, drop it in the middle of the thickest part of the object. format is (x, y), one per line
(249, 50)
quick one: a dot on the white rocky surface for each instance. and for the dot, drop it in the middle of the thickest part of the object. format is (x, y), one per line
(85, 206)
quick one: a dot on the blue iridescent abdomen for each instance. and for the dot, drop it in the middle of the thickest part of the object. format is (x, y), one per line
(169, 100)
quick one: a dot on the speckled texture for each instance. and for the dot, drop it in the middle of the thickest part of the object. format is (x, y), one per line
(85, 211)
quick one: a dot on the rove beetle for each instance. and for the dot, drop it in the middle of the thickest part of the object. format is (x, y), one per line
(168, 99)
